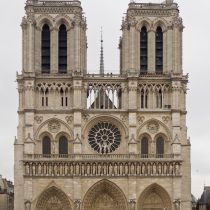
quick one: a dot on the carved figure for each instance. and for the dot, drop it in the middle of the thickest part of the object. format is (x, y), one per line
(154, 169)
(28, 205)
(39, 169)
(27, 169)
(177, 169)
(34, 169)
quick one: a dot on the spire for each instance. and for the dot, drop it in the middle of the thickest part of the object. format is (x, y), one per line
(102, 54)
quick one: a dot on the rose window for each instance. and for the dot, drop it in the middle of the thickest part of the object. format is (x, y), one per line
(104, 137)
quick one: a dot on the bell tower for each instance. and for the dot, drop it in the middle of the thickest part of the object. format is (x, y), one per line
(102, 141)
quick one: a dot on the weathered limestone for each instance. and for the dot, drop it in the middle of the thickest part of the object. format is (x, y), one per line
(91, 142)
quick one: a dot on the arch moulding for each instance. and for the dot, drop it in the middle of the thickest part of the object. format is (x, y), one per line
(157, 190)
(104, 191)
(53, 193)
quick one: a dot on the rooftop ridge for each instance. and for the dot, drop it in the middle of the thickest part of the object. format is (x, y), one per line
(54, 2)
(163, 5)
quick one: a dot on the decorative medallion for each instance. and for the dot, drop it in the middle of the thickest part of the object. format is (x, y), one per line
(165, 119)
(153, 127)
(124, 117)
(69, 119)
(140, 119)
(39, 119)
(104, 137)
(85, 116)
(54, 126)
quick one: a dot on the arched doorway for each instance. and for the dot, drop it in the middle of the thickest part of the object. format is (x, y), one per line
(104, 195)
(154, 197)
(53, 199)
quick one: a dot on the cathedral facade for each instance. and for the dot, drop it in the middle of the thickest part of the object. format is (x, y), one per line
(102, 141)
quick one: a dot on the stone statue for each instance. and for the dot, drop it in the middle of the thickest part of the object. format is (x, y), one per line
(27, 169)
(28, 205)
(132, 204)
(177, 204)
(34, 169)
(77, 204)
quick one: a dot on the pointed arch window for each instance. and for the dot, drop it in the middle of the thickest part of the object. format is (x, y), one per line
(144, 147)
(62, 49)
(45, 49)
(159, 99)
(159, 50)
(144, 99)
(64, 98)
(160, 146)
(63, 146)
(143, 50)
(46, 146)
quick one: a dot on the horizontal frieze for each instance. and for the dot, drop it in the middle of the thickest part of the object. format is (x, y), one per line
(101, 168)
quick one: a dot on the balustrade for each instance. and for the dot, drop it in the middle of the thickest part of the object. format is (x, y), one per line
(99, 156)
(54, 2)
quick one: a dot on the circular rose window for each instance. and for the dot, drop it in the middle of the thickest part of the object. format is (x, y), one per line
(104, 137)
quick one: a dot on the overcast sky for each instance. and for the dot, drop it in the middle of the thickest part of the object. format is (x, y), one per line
(108, 14)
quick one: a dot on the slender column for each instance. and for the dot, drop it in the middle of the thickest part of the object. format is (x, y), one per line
(68, 50)
(164, 51)
(24, 44)
(77, 46)
(169, 50)
(125, 51)
(31, 46)
(132, 50)
(54, 50)
(151, 51)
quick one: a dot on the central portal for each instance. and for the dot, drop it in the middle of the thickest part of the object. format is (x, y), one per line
(104, 195)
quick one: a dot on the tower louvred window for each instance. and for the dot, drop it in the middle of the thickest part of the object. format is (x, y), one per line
(45, 49)
(62, 49)
(143, 50)
(159, 50)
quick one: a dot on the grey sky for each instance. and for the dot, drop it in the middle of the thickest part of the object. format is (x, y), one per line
(108, 14)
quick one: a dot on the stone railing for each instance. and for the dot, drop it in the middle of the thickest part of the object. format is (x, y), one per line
(134, 5)
(53, 3)
(102, 168)
(108, 75)
(94, 157)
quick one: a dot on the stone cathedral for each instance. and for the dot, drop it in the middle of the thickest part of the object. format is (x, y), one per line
(102, 141)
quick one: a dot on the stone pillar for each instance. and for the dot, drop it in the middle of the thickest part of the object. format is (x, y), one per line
(165, 51)
(24, 43)
(151, 51)
(169, 51)
(125, 50)
(77, 41)
(54, 50)
(30, 45)
(37, 50)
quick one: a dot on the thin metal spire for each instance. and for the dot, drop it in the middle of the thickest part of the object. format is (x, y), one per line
(102, 54)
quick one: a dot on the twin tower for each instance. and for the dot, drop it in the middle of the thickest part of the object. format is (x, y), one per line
(102, 141)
